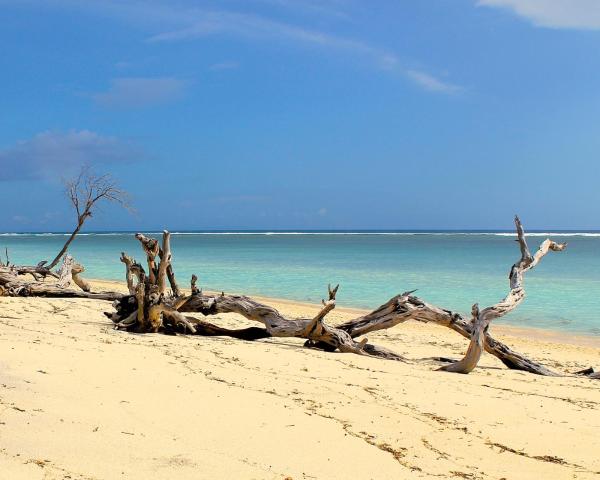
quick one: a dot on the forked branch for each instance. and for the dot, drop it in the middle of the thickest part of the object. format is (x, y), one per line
(163, 314)
(84, 192)
(516, 294)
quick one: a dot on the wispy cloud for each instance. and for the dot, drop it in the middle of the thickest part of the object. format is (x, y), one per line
(431, 83)
(200, 23)
(50, 154)
(254, 26)
(140, 92)
(570, 14)
(185, 21)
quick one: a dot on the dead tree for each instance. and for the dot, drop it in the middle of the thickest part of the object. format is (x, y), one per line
(84, 192)
(149, 308)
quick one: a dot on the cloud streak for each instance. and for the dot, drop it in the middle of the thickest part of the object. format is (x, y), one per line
(253, 26)
(560, 14)
(50, 154)
(431, 83)
(181, 21)
(140, 92)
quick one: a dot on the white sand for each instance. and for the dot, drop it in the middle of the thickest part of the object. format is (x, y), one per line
(79, 400)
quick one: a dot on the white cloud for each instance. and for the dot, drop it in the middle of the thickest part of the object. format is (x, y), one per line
(573, 14)
(200, 23)
(431, 83)
(48, 155)
(140, 92)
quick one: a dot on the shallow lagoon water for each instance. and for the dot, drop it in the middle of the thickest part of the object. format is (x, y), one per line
(450, 269)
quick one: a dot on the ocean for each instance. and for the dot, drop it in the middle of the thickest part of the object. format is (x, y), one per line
(449, 269)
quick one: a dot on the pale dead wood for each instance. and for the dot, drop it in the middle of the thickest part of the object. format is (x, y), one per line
(84, 192)
(129, 276)
(15, 287)
(151, 249)
(165, 262)
(408, 307)
(76, 270)
(65, 272)
(150, 309)
(516, 294)
(38, 272)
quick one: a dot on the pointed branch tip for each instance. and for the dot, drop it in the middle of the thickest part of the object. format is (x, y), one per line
(332, 292)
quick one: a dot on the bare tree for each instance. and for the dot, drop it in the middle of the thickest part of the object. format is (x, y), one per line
(84, 192)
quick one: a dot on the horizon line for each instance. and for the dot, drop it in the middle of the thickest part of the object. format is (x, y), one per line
(301, 231)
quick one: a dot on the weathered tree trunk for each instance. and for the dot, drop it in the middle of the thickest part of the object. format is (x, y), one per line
(76, 272)
(12, 285)
(67, 243)
(150, 308)
(482, 319)
(152, 249)
(129, 276)
(38, 272)
(163, 314)
(84, 192)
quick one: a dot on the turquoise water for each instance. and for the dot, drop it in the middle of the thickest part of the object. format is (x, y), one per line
(452, 270)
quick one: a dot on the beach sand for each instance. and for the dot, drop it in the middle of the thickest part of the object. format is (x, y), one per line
(79, 400)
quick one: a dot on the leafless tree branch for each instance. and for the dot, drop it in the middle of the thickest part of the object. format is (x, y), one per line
(85, 191)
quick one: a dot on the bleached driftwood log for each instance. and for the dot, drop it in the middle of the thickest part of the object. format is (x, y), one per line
(151, 309)
(13, 284)
(129, 276)
(482, 319)
(408, 307)
(38, 272)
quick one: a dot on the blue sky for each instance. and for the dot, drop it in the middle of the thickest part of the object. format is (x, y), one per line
(284, 114)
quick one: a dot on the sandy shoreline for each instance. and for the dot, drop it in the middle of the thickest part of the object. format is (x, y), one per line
(80, 400)
(543, 334)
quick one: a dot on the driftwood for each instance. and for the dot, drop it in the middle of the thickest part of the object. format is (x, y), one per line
(38, 272)
(12, 284)
(149, 308)
(482, 319)
(84, 192)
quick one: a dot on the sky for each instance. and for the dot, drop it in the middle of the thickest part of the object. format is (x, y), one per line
(303, 114)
